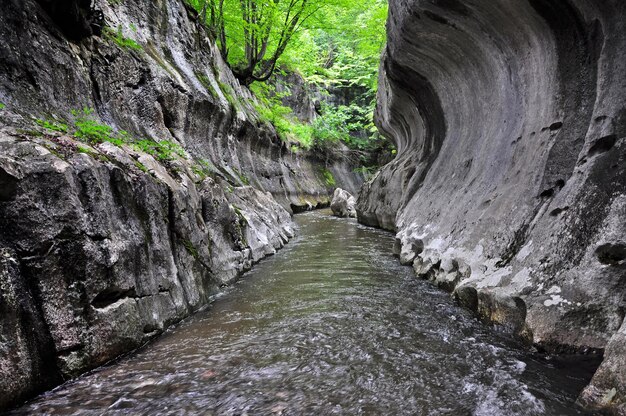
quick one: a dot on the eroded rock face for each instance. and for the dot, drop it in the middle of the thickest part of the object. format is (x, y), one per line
(343, 203)
(510, 124)
(103, 246)
(104, 256)
(174, 87)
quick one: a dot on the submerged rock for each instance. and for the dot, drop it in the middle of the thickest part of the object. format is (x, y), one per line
(343, 203)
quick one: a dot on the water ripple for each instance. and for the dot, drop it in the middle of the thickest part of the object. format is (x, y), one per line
(332, 325)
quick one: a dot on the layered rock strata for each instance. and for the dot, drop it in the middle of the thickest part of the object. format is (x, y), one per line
(103, 245)
(509, 186)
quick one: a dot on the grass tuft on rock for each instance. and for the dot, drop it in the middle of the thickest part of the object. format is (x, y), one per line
(86, 128)
(119, 39)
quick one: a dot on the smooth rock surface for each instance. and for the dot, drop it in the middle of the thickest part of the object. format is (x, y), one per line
(510, 124)
(342, 204)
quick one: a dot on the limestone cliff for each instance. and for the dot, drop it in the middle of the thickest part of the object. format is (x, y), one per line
(510, 180)
(105, 244)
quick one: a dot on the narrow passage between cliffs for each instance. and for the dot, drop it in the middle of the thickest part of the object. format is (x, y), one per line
(332, 324)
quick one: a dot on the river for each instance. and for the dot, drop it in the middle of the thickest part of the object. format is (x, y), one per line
(332, 324)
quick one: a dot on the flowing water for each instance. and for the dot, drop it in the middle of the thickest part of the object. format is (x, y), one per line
(333, 324)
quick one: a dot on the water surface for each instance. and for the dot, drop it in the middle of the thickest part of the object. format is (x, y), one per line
(332, 324)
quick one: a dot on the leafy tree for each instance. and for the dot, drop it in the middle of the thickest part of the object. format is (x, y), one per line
(254, 33)
(335, 40)
(334, 44)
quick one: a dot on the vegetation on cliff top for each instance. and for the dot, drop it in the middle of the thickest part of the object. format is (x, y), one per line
(334, 45)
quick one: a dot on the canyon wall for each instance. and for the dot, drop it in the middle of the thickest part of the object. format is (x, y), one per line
(509, 186)
(104, 244)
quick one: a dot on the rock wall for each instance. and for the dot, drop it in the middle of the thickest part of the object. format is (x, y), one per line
(102, 246)
(509, 186)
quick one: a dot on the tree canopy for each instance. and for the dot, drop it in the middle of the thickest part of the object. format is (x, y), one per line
(331, 38)
(332, 44)
(254, 33)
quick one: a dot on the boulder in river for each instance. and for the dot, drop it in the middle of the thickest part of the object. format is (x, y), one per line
(343, 204)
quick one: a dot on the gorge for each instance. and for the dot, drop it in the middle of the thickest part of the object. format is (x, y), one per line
(138, 177)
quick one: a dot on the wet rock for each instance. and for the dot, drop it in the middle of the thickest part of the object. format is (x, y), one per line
(602, 393)
(509, 312)
(77, 19)
(411, 248)
(448, 281)
(115, 256)
(467, 296)
(423, 267)
(169, 89)
(342, 204)
(27, 359)
(612, 253)
(408, 246)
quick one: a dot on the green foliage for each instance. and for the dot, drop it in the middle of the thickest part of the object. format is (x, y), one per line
(91, 152)
(329, 179)
(338, 49)
(351, 124)
(340, 40)
(119, 39)
(203, 168)
(52, 125)
(252, 35)
(141, 166)
(28, 132)
(88, 129)
(366, 171)
(191, 248)
(206, 83)
(334, 44)
(2, 106)
(333, 126)
(242, 219)
(348, 38)
(271, 110)
(163, 151)
(229, 94)
(86, 150)
(85, 127)
(242, 177)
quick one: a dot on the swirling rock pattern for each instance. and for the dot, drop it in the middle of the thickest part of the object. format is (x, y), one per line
(510, 124)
